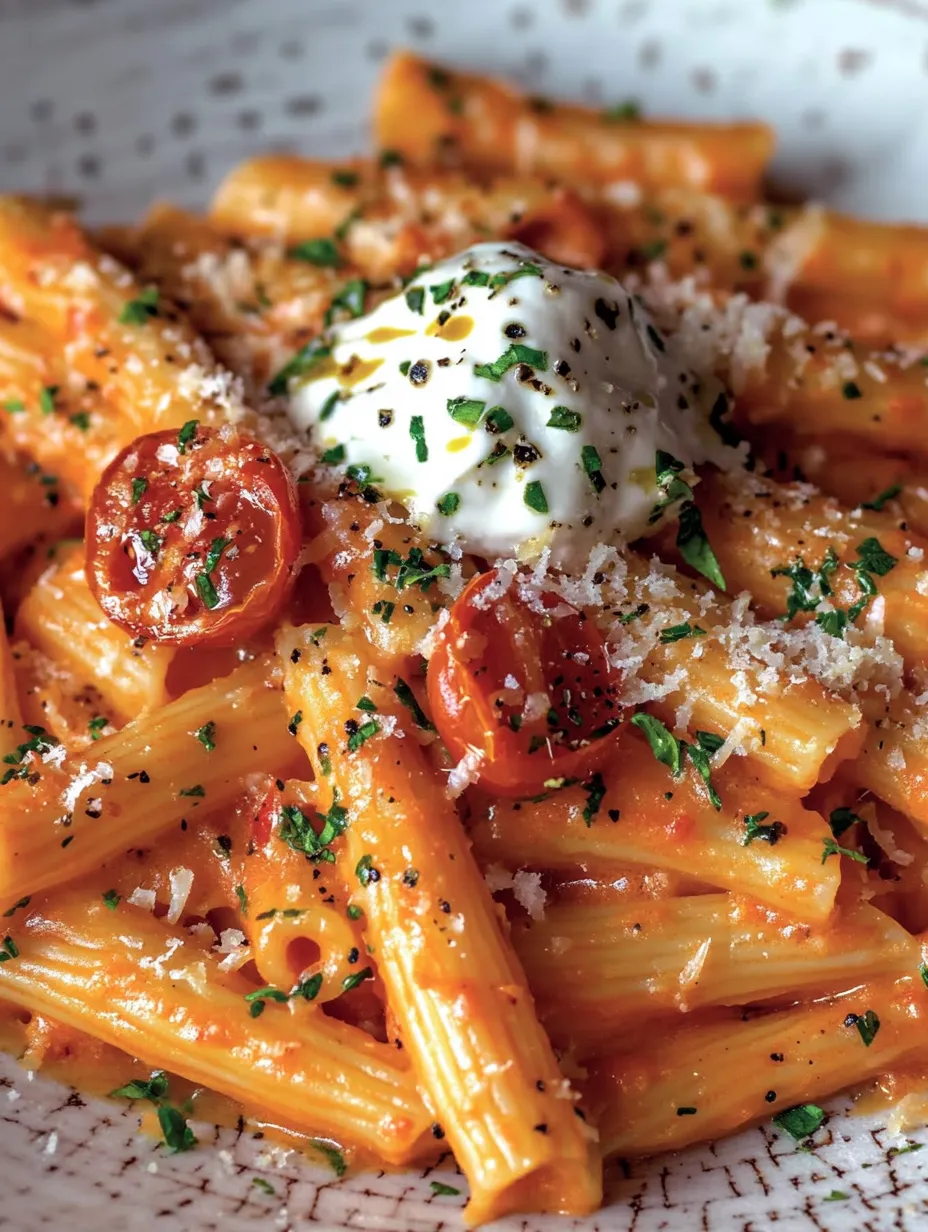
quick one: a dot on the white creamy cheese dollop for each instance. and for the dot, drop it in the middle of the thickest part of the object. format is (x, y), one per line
(511, 405)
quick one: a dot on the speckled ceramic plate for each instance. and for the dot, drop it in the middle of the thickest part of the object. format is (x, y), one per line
(122, 101)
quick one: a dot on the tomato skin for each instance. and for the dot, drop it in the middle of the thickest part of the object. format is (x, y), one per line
(538, 654)
(192, 537)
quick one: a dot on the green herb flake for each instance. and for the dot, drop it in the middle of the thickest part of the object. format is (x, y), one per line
(415, 299)
(358, 977)
(96, 726)
(242, 899)
(841, 819)
(867, 1025)
(515, 354)
(887, 494)
(332, 1155)
(695, 548)
(476, 278)
(498, 420)
(754, 829)
(809, 585)
(353, 912)
(445, 1191)
(365, 872)
(197, 792)
(448, 504)
(851, 390)
(622, 112)
(140, 311)
(527, 269)
(187, 434)
(800, 1121)
(364, 732)
(831, 848)
(664, 745)
(466, 411)
(417, 432)
(442, 292)
(565, 419)
(207, 735)
(13, 406)
(258, 1182)
(676, 633)
(593, 465)
(534, 497)
(47, 399)
(178, 1136)
(672, 488)
(595, 790)
(407, 698)
(322, 251)
(81, 419)
(154, 1088)
(836, 1195)
(349, 300)
(17, 906)
(302, 364)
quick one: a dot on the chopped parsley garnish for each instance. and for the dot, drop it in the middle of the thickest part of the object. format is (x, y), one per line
(345, 178)
(801, 1121)
(197, 792)
(664, 745)
(595, 790)
(851, 390)
(177, 1134)
(358, 977)
(534, 497)
(593, 465)
(448, 504)
(672, 752)
(150, 541)
(809, 586)
(207, 735)
(205, 588)
(415, 570)
(81, 419)
(438, 1187)
(323, 252)
(300, 365)
(363, 703)
(841, 819)
(629, 110)
(384, 609)
(111, 899)
(904, 1150)
(350, 300)
(417, 432)
(187, 434)
(139, 311)
(96, 726)
(295, 720)
(867, 1025)
(475, 278)
(636, 614)
(404, 367)
(415, 299)
(20, 903)
(695, 548)
(466, 411)
(753, 829)
(442, 291)
(672, 488)
(406, 696)
(258, 1182)
(333, 1157)
(41, 742)
(498, 420)
(365, 871)
(526, 270)
(334, 456)
(297, 833)
(831, 848)
(8, 950)
(564, 418)
(47, 399)
(173, 516)
(676, 633)
(13, 406)
(364, 732)
(879, 501)
(515, 354)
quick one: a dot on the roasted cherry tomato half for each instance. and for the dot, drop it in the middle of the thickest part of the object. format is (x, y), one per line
(534, 693)
(192, 536)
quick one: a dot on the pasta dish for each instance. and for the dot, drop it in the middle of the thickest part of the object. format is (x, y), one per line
(463, 682)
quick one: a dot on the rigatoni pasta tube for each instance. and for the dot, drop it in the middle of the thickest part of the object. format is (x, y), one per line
(705, 1081)
(454, 985)
(61, 817)
(602, 968)
(645, 816)
(32, 503)
(155, 992)
(61, 617)
(425, 112)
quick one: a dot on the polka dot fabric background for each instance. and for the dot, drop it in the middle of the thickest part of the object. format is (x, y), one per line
(120, 102)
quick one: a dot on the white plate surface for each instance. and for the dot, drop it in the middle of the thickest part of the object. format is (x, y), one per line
(124, 101)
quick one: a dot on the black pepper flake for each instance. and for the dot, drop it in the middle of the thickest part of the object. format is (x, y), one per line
(295, 656)
(776, 1056)
(353, 954)
(770, 1096)
(444, 905)
(419, 372)
(384, 419)
(514, 330)
(607, 313)
(562, 367)
(525, 453)
(437, 1131)
(540, 1129)
(351, 727)
(614, 814)
(144, 777)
